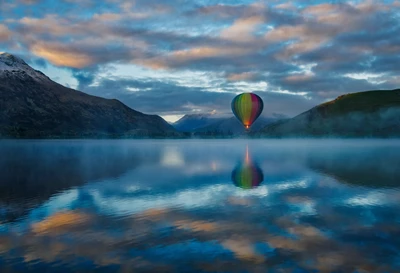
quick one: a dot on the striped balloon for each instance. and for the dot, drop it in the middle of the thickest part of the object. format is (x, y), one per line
(247, 107)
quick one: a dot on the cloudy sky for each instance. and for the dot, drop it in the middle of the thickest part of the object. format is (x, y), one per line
(174, 57)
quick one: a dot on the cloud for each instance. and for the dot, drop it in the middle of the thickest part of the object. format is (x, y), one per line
(40, 62)
(246, 45)
(179, 99)
(321, 9)
(5, 33)
(298, 78)
(84, 78)
(242, 29)
(62, 55)
(286, 6)
(30, 2)
(245, 76)
(228, 11)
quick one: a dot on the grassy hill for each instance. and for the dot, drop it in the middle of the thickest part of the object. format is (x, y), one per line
(364, 114)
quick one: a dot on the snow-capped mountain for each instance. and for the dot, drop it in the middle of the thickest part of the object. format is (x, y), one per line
(32, 105)
(12, 66)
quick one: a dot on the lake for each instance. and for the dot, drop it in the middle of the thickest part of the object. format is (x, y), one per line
(200, 206)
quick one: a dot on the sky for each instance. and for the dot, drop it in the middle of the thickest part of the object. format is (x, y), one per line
(177, 57)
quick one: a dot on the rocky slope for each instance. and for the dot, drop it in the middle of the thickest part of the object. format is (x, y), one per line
(32, 105)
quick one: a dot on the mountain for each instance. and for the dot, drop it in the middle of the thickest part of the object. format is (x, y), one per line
(213, 124)
(364, 114)
(232, 126)
(34, 106)
(192, 122)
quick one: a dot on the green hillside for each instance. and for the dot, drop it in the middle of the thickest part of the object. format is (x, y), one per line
(369, 101)
(364, 114)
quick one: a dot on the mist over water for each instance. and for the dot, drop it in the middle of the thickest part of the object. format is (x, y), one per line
(200, 206)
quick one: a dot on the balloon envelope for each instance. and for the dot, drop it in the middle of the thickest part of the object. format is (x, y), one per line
(247, 107)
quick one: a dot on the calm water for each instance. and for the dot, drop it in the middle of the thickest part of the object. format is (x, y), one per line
(200, 206)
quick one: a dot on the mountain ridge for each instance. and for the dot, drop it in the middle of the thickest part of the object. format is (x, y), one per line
(214, 124)
(192, 122)
(364, 114)
(35, 106)
(232, 126)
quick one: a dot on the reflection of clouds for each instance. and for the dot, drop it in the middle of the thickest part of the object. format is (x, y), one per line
(189, 199)
(60, 222)
(133, 198)
(126, 201)
(243, 249)
(156, 218)
(291, 185)
(57, 203)
(261, 191)
(307, 231)
(295, 199)
(197, 226)
(134, 188)
(369, 199)
(60, 201)
(163, 240)
(307, 208)
(239, 201)
(201, 197)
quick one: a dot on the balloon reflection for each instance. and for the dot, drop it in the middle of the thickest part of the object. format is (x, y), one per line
(247, 175)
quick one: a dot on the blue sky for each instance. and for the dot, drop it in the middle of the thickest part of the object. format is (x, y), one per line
(177, 57)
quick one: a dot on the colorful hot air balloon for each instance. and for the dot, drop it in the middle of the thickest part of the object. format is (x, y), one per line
(247, 175)
(247, 107)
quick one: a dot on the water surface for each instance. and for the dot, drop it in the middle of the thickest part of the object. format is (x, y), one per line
(200, 206)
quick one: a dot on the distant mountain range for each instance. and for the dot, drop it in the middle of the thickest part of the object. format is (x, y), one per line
(232, 126)
(364, 114)
(34, 106)
(212, 124)
(192, 122)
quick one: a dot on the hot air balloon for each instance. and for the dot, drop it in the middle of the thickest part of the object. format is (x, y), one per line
(247, 175)
(247, 107)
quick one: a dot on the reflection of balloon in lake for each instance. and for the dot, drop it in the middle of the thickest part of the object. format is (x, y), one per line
(247, 175)
(247, 107)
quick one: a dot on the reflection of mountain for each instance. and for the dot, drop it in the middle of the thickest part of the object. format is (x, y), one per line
(32, 173)
(374, 168)
(247, 174)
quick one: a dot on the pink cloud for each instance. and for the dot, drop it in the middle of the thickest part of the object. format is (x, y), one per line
(5, 33)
